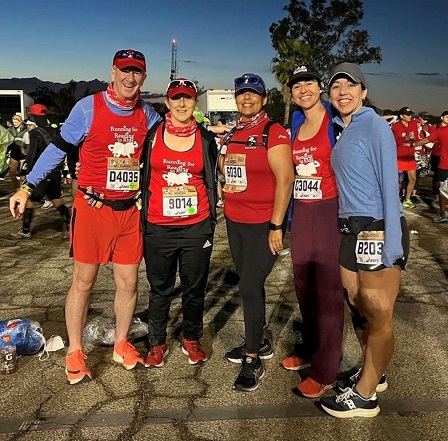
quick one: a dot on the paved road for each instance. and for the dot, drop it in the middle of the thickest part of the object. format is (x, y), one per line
(180, 402)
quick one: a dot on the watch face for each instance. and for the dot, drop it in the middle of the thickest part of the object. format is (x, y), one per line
(248, 360)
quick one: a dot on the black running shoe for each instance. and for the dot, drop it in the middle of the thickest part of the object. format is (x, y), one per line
(350, 404)
(343, 385)
(251, 372)
(236, 355)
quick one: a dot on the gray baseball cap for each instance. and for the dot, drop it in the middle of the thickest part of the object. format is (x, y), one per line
(351, 70)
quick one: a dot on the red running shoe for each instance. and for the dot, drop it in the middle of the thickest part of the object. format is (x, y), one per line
(295, 363)
(312, 389)
(127, 355)
(193, 349)
(76, 369)
(156, 355)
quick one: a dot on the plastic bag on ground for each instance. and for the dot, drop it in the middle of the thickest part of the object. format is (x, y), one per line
(101, 331)
(26, 334)
(444, 188)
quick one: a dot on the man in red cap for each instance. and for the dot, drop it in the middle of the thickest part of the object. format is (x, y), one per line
(105, 224)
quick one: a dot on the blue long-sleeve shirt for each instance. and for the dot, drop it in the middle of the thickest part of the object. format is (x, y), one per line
(364, 161)
(74, 131)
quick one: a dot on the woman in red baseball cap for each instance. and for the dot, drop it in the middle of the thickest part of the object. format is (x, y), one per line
(179, 217)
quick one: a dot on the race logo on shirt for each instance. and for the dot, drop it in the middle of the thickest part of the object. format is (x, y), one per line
(124, 144)
(177, 172)
(306, 164)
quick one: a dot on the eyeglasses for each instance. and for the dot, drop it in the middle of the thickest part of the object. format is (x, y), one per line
(129, 54)
(178, 83)
(248, 80)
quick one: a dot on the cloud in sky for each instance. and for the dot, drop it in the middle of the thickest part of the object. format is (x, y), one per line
(430, 74)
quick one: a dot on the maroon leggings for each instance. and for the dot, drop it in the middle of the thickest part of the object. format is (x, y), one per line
(315, 242)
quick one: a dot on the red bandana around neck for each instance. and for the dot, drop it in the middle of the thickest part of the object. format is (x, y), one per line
(120, 103)
(182, 131)
(254, 121)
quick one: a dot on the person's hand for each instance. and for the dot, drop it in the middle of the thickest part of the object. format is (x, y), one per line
(275, 241)
(77, 168)
(219, 130)
(17, 203)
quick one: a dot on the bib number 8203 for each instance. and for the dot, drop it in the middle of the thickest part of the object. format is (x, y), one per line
(369, 247)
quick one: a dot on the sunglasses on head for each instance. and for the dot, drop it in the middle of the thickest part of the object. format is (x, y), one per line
(248, 80)
(130, 54)
(178, 83)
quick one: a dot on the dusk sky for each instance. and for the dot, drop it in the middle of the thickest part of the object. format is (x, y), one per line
(218, 41)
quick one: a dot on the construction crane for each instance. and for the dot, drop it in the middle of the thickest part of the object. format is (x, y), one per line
(173, 75)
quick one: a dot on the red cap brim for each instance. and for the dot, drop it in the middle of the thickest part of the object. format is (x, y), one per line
(122, 63)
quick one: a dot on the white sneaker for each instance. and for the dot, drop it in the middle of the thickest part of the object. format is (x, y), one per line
(47, 205)
(20, 234)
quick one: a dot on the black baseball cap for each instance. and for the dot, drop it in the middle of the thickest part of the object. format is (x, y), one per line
(304, 72)
(424, 115)
(405, 111)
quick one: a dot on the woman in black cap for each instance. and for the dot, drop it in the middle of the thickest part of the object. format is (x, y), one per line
(315, 237)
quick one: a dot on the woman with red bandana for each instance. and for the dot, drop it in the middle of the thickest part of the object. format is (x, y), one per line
(258, 169)
(179, 217)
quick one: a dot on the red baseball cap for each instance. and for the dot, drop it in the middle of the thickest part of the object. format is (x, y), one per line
(181, 86)
(129, 58)
(38, 110)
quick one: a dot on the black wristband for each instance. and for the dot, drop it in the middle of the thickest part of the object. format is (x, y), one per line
(274, 227)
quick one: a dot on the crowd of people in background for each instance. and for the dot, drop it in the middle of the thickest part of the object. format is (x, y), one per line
(346, 175)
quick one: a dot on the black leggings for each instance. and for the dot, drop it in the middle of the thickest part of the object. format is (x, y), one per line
(254, 262)
(168, 249)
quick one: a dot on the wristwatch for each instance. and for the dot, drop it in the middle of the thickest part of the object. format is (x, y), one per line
(274, 227)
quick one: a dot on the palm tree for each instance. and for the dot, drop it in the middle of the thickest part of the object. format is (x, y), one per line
(290, 53)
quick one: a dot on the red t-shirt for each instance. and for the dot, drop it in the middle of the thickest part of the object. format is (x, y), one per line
(404, 151)
(441, 136)
(256, 203)
(172, 173)
(112, 139)
(312, 158)
(435, 151)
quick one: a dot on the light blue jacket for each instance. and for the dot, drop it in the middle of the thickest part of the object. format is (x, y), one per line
(364, 161)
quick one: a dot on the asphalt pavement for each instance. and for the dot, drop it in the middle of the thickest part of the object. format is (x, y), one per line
(181, 402)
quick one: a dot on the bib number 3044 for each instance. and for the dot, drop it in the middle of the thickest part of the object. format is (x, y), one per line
(307, 188)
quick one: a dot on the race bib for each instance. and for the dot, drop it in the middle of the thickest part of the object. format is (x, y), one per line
(235, 173)
(307, 188)
(180, 201)
(369, 247)
(123, 174)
